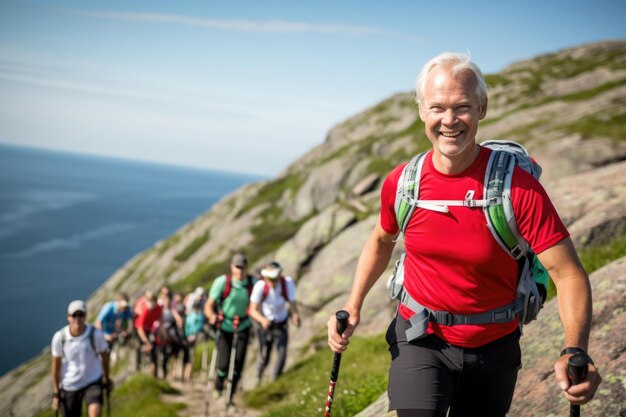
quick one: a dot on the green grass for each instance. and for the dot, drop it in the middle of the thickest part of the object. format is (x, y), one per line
(612, 127)
(139, 396)
(302, 390)
(192, 247)
(202, 276)
(595, 257)
(273, 191)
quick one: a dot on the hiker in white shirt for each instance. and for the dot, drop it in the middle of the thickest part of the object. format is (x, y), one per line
(272, 302)
(80, 360)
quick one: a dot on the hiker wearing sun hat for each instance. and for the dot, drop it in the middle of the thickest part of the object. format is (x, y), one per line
(272, 303)
(80, 360)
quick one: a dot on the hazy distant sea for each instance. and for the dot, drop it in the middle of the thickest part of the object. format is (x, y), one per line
(67, 222)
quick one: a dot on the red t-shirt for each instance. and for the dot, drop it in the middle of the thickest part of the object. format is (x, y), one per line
(453, 262)
(147, 318)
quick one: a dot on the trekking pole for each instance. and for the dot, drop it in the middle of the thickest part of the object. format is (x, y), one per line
(205, 360)
(577, 368)
(231, 367)
(108, 400)
(211, 376)
(342, 322)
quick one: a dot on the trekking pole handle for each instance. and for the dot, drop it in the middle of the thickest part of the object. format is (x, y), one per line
(342, 317)
(577, 368)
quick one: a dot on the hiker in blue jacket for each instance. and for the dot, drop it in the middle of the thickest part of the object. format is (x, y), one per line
(114, 319)
(272, 303)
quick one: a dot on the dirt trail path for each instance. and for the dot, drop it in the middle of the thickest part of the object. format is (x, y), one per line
(193, 395)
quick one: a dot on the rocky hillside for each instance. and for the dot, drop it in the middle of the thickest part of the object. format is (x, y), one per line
(568, 108)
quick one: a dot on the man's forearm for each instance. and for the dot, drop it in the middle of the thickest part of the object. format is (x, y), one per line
(573, 291)
(142, 335)
(105, 365)
(575, 310)
(56, 385)
(372, 263)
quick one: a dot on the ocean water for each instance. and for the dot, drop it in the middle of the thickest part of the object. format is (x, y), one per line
(68, 221)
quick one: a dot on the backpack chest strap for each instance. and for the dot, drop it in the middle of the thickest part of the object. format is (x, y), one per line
(442, 205)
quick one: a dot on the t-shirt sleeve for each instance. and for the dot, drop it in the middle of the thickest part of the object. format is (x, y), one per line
(56, 347)
(387, 201)
(257, 292)
(217, 288)
(537, 219)
(100, 342)
(104, 312)
(291, 289)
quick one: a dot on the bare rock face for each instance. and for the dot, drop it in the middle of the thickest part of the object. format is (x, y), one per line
(297, 252)
(537, 393)
(592, 204)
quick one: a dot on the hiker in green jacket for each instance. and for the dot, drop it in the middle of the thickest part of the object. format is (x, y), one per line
(454, 342)
(230, 296)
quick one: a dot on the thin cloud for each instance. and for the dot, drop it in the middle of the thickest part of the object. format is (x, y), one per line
(270, 26)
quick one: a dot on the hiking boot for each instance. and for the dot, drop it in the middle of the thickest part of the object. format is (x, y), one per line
(217, 394)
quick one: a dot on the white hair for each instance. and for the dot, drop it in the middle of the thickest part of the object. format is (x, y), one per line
(455, 63)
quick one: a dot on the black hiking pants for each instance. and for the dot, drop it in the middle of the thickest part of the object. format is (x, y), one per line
(224, 345)
(277, 335)
(430, 377)
(71, 402)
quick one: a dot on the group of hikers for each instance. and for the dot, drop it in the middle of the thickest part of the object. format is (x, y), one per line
(168, 325)
(477, 226)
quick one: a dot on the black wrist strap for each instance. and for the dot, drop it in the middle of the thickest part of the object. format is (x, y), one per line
(574, 350)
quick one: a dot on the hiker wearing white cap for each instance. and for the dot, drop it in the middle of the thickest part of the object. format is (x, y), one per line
(272, 302)
(114, 318)
(80, 361)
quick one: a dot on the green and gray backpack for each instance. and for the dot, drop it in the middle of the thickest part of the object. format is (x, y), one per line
(534, 286)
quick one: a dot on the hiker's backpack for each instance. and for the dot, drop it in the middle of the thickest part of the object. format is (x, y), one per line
(92, 340)
(228, 286)
(534, 286)
(283, 289)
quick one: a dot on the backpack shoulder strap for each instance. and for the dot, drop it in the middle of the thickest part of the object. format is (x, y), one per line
(266, 290)
(92, 339)
(228, 285)
(501, 217)
(408, 190)
(250, 284)
(283, 288)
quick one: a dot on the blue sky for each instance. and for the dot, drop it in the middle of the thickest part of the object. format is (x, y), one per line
(246, 86)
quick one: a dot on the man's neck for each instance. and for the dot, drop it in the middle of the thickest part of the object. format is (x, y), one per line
(77, 331)
(455, 164)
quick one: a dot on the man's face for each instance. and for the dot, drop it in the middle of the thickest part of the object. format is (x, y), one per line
(77, 319)
(450, 111)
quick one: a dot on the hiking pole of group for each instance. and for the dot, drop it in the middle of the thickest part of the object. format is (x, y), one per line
(342, 322)
(577, 368)
(231, 367)
(107, 393)
(211, 376)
